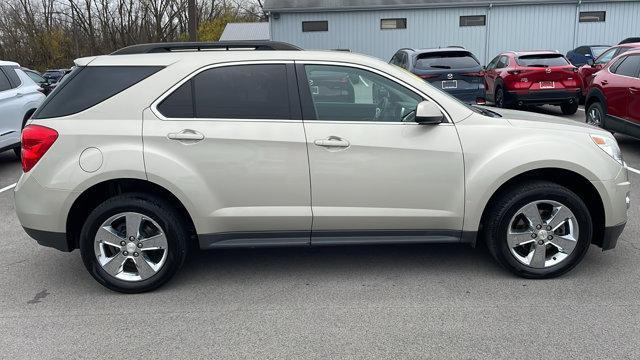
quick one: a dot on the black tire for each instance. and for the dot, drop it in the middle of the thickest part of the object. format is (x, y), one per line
(163, 213)
(569, 108)
(500, 99)
(598, 110)
(499, 214)
(17, 151)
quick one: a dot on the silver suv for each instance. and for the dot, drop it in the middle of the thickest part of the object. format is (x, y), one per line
(142, 154)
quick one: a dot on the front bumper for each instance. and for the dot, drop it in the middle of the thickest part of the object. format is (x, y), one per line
(540, 97)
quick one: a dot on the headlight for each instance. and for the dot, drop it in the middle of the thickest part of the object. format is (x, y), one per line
(610, 146)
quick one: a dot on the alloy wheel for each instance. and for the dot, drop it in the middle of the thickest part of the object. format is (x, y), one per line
(131, 247)
(542, 234)
(594, 117)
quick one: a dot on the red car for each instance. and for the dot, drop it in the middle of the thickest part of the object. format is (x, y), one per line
(613, 98)
(587, 71)
(533, 78)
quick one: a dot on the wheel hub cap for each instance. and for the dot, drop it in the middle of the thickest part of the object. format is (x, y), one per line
(542, 234)
(131, 246)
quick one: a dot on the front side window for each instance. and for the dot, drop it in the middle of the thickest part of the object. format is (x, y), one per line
(503, 62)
(233, 92)
(627, 67)
(35, 77)
(493, 63)
(349, 94)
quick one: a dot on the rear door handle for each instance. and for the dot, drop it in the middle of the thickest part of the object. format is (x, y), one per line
(604, 82)
(186, 135)
(332, 142)
(633, 90)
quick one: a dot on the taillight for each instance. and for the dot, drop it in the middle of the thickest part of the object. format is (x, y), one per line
(36, 141)
(475, 74)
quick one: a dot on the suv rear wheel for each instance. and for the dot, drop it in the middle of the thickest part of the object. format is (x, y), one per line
(133, 243)
(500, 97)
(538, 229)
(569, 108)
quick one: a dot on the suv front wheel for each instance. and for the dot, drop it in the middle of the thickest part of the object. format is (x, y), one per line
(538, 229)
(133, 243)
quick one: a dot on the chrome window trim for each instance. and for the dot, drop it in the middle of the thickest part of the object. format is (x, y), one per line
(383, 74)
(158, 114)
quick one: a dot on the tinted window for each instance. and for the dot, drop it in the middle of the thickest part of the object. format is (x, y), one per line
(180, 103)
(89, 86)
(542, 60)
(315, 26)
(446, 60)
(628, 66)
(349, 94)
(4, 82)
(493, 63)
(11, 73)
(243, 92)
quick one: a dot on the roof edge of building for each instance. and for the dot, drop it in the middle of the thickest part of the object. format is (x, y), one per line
(452, 4)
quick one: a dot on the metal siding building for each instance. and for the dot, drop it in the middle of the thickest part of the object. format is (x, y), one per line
(510, 25)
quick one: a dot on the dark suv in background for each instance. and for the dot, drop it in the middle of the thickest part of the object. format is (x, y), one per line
(585, 54)
(452, 69)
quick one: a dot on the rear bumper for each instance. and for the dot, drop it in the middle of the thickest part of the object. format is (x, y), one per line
(467, 96)
(540, 97)
(50, 239)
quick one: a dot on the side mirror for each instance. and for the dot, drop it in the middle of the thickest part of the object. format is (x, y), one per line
(591, 62)
(428, 113)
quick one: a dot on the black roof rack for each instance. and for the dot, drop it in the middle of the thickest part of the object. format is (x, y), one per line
(204, 46)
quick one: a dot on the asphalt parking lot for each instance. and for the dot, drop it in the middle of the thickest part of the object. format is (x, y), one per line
(440, 302)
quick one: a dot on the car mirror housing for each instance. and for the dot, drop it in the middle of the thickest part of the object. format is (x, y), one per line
(590, 62)
(428, 113)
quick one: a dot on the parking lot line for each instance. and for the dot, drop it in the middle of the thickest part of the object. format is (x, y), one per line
(7, 188)
(633, 170)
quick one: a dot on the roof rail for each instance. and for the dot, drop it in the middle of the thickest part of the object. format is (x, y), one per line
(457, 47)
(410, 49)
(203, 46)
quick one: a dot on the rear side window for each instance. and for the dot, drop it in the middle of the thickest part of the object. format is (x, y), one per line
(542, 60)
(14, 79)
(446, 60)
(232, 92)
(88, 86)
(4, 82)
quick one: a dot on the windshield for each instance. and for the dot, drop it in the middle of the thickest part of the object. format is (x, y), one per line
(446, 60)
(542, 60)
(597, 51)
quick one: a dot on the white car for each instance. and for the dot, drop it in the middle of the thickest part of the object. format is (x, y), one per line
(175, 148)
(19, 98)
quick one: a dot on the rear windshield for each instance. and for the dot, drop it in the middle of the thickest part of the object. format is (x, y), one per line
(86, 87)
(446, 60)
(542, 60)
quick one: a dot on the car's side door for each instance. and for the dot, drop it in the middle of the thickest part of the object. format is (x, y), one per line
(632, 82)
(377, 175)
(490, 77)
(10, 110)
(617, 87)
(230, 139)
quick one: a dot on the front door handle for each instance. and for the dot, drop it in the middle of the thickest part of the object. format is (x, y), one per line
(604, 82)
(332, 142)
(186, 135)
(634, 90)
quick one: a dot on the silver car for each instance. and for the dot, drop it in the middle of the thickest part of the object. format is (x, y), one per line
(19, 98)
(175, 148)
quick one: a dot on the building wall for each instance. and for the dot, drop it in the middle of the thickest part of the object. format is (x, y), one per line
(518, 27)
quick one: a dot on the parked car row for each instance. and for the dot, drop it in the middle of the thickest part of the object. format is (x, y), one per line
(511, 78)
(19, 98)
